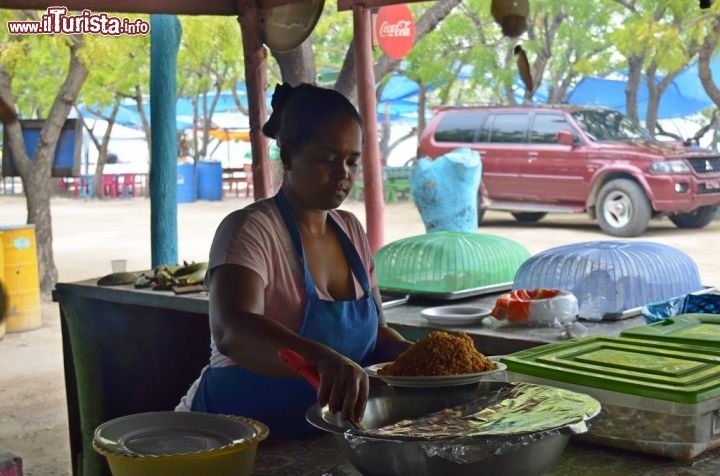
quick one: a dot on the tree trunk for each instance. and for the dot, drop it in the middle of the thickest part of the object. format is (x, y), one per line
(297, 66)
(422, 101)
(347, 81)
(631, 89)
(706, 51)
(102, 146)
(36, 173)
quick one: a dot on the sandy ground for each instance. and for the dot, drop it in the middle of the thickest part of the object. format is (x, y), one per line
(89, 234)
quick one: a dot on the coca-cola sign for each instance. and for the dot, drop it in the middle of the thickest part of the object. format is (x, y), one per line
(395, 30)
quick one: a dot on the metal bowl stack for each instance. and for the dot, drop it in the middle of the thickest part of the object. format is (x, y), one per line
(496, 428)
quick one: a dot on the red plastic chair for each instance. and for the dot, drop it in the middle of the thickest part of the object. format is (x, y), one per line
(128, 186)
(110, 185)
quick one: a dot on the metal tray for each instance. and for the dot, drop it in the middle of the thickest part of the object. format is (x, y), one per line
(451, 295)
(393, 300)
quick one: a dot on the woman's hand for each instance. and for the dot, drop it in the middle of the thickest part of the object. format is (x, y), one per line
(343, 386)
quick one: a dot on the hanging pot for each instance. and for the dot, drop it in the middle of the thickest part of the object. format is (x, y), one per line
(511, 15)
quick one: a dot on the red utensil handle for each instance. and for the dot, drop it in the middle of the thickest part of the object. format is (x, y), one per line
(297, 363)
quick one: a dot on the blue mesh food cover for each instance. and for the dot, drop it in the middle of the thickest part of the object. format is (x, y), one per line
(688, 304)
(611, 277)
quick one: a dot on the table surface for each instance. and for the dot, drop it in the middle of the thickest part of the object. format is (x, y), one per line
(320, 454)
(501, 340)
(404, 317)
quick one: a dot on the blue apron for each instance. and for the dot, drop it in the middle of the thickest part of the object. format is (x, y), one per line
(348, 327)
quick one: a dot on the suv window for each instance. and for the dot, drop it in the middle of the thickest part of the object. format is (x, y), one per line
(606, 124)
(459, 126)
(546, 126)
(506, 128)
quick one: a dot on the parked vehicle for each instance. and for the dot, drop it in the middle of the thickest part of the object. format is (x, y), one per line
(574, 159)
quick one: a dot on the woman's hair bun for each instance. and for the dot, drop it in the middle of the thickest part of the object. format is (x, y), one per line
(283, 93)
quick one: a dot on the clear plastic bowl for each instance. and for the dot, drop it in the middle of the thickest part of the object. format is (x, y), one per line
(611, 277)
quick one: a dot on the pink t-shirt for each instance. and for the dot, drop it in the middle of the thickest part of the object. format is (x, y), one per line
(256, 237)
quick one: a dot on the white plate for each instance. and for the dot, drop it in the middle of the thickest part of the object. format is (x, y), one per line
(455, 315)
(435, 380)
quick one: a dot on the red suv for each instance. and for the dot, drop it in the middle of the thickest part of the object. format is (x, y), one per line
(572, 159)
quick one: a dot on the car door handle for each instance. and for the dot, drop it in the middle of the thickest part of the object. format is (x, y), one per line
(532, 157)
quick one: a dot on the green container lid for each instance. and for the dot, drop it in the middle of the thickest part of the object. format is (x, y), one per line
(448, 261)
(652, 369)
(690, 329)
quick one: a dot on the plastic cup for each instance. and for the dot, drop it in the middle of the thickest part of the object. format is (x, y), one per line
(119, 265)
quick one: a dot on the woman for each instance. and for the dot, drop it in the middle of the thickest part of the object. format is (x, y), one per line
(293, 272)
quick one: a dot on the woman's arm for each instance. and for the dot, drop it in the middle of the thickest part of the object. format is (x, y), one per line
(251, 340)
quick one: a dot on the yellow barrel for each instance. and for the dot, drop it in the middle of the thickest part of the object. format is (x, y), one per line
(21, 278)
(3, 292)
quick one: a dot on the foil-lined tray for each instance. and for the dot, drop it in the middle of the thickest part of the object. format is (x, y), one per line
(513, 409)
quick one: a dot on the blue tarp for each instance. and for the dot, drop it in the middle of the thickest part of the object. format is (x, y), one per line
(684, 97)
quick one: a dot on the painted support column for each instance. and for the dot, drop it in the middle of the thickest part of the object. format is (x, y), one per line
(255, 56)
(164, 44)
(372, 173)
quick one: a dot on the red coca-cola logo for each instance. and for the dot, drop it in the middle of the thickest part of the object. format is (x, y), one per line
(395, 30)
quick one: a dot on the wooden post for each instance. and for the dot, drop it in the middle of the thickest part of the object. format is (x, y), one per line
(372, 173)
(164, 45)
(255, 78)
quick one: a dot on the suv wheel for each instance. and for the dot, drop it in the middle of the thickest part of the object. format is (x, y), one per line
(623, 208)
(529, 217)
(695, 219)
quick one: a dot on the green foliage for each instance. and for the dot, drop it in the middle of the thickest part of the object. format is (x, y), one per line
(119, 64)
(210, 56)
(565, 40)
(34, 63)
(331, 38)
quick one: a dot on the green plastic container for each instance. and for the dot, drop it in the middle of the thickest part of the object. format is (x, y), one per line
(691, 329)
(658, 397)
(448, 262)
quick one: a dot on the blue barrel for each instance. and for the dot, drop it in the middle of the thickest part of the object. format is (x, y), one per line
(209, 180)
(186, 183)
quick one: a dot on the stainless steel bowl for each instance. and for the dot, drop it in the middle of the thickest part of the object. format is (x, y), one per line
(524, 455)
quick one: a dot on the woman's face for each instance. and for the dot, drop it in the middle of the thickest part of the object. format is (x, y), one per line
(322, 172)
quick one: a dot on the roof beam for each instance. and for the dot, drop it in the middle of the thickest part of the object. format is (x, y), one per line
(204, 7)
(170, 7)
(348, 4)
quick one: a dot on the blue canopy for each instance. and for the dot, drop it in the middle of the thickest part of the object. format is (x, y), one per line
(684, 97)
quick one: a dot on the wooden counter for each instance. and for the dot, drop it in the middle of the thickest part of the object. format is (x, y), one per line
(132, 350)
(125, 351)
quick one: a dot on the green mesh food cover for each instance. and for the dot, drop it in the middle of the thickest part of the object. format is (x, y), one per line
(448, 261)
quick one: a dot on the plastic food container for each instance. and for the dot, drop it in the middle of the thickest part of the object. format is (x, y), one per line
(179, 444)
(444, 263)
(657, 397)
(536, 306)
(611, 277)
(689, 329)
